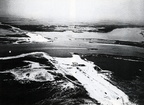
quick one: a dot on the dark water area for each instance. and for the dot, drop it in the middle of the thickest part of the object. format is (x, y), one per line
(127, 74)
(17, 49)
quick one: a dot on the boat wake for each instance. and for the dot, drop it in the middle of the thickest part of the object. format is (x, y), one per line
(40, 67)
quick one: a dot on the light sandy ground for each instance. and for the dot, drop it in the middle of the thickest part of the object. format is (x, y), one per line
(96, 84)
(36, 37)
(123, 34)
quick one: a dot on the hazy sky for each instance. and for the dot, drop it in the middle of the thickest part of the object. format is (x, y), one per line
(131, 11)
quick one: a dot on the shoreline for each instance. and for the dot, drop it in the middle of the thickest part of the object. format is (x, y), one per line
(92, 81)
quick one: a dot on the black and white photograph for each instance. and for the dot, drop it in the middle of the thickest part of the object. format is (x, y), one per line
(71, 52)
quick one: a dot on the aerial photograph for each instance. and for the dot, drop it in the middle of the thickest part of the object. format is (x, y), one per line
(71, 52)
